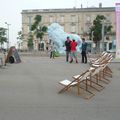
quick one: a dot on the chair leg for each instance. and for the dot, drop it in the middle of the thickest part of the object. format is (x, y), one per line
(64, 89)
(97, 77)
(103, 78)
(78, 87)
(92, 94)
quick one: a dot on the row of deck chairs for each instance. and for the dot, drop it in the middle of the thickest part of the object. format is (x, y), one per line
(92, 80)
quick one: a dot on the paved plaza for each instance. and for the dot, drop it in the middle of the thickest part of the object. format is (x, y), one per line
(29, 91)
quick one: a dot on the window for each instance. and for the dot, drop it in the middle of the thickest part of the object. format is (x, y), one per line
(87, 28)
(88, 23)
(108, 18)
(88, 19)
(62, 18)
(73, 18)
(51, 19)
(29, 23)
(73, 28)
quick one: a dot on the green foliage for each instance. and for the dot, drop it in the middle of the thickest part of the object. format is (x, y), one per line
(38, 18)
(20, 35)
(2, 35)
(38, 29)
(30, 41)
(97, 28)
(107, 29)
(56, 54)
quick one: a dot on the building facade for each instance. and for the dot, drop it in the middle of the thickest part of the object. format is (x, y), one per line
(73, 20)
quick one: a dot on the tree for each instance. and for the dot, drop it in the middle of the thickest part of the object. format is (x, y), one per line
(30, 41)
(20, 38)
(2, 36)
(38, 29)
(96, 29)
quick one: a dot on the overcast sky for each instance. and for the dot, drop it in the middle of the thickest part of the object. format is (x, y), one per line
(10, 10)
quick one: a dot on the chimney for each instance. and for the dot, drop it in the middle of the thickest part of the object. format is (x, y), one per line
(81, 6)
(100, 5)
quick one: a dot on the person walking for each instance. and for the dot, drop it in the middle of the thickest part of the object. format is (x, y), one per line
(73, 51)
(68, 48)
(84, 50)
(52, 50)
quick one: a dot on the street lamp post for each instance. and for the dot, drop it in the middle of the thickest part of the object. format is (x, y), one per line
(8, 34)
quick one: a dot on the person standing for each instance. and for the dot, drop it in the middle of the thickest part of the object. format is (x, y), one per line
(73, 51)
(68, 48)
(84, 50)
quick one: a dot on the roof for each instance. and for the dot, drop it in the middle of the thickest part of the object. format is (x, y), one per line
(66, 10)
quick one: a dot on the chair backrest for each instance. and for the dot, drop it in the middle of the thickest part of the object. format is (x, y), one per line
(103, 53)
(102, 57)
(110, 59)
(96, 71)
(103, 66)
(105, 58)
(84, 75)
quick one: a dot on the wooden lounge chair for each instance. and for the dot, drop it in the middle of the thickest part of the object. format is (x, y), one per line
(105, 69)
(98, 59)
(78, 79)
(94, 79)
(103, 59)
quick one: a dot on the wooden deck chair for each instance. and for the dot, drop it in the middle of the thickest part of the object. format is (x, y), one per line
(78, 79)
(94, 59)
(105, 63)
(98, 61)
(104, 72)
(76, 82)
(107, 68)
(104, 60)
(94, 73)
(102, 55)
(85, 80)
(94, 78)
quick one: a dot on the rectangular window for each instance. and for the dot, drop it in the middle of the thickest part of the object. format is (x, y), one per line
(73, 28)
(88, 19)
(108, 18)
(73, 18)
(62, 18)
(51, 19)
(29, 23)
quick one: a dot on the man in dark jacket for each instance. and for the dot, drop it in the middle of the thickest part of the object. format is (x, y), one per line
(84, 50)
(68, 48)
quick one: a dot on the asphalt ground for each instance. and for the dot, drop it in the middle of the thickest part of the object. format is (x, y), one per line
(29, 91)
